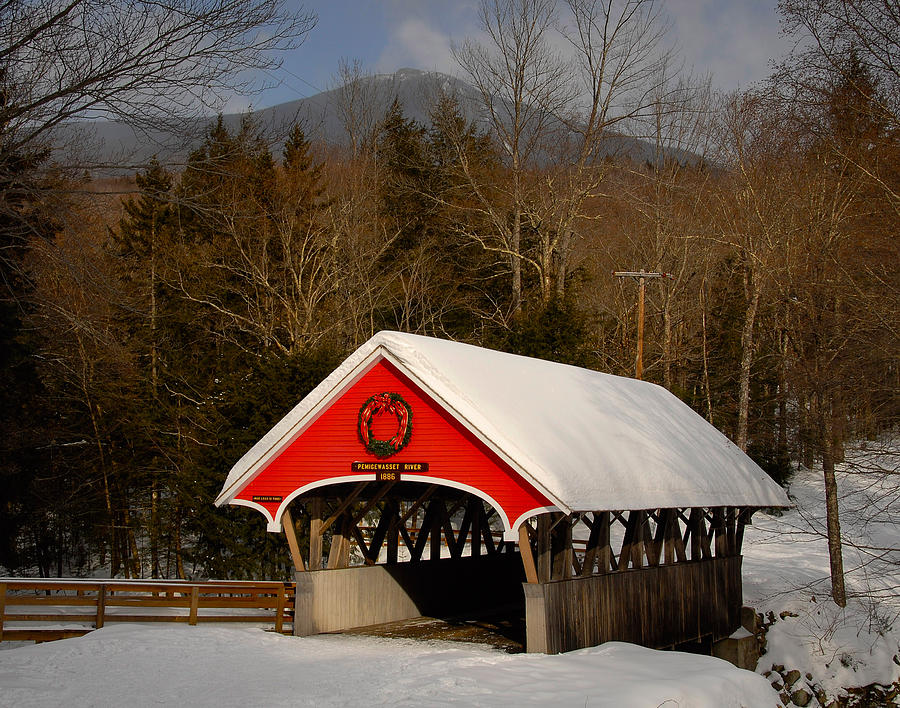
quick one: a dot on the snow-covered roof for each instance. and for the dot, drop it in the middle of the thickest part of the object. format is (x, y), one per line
(588, 440)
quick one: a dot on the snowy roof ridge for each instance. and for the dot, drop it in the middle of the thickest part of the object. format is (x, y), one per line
(589, 440)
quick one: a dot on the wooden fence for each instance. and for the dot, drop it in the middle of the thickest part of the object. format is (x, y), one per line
(68, 603)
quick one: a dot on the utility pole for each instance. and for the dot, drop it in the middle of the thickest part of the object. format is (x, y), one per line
(641, 276)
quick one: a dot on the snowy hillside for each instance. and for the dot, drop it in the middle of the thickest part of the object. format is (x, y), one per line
(113, 143)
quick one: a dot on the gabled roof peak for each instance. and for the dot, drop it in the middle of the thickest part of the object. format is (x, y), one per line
(588, 440)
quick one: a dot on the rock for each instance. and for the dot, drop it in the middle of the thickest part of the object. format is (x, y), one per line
(801, 698)
(777, 667)
(785, 698)
(767, 673)
(777, 685)
(791, 677)
(808, 676)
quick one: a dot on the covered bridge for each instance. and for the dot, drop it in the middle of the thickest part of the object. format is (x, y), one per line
(429, 477)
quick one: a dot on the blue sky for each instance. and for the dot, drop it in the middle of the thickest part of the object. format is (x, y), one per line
(734, 39)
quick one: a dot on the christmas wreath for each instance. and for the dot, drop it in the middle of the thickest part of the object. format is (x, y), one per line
(393, 404)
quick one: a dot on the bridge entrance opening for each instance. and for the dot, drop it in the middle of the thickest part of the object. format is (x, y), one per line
(405, 559)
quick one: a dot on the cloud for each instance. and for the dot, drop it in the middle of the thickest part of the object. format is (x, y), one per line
(415, 43)
(736, 40)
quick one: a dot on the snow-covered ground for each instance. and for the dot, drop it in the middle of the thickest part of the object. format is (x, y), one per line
(785, 571)
(133, 665)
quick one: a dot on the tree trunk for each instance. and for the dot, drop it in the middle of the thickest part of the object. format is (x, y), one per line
(179, 558)
(706, 387)
(562, 263)
(667, 340)
(835, 555)
(747, 342)
(781, 439)
(515, 262)
(154, 528)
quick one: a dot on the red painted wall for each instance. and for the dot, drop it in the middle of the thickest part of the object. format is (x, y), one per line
(328, 447)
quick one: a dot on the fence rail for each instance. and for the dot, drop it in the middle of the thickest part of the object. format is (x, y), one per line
(26, 604)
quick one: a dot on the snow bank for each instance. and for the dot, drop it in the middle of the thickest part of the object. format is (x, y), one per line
(222, 667)
(786, 572)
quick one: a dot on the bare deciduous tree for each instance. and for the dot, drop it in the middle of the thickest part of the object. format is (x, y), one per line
(147, 63)
(554, 117)
(523, 85)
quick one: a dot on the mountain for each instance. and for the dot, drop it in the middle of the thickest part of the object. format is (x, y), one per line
(323, 115)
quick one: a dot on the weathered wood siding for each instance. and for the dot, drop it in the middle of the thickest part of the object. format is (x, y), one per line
(345, 598)
(656, 607)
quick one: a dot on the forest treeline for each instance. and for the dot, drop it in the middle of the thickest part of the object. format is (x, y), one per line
(154, 328)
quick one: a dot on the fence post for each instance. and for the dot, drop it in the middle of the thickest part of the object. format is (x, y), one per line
(195, 601)
(101, 607)
(2, 607)
(279, 609)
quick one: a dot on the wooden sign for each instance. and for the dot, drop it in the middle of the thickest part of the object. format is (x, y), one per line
(389, 467)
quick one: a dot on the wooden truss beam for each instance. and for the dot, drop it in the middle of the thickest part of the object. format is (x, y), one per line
(554, 545)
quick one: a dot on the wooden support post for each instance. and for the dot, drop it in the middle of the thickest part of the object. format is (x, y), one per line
(695, 522)
(464, 527)
(385, 523)
(476, 507)
(2, 607)
(677, 541)
(730, 531)
(404, 534)
(392, 510)
(625, 556)
(721, 538)
(290, 533)
(531, 574)
(544, 559)
(426, 528)
(561, 547)
(668, 523)
(633, 542)
(487, 536)
(101, 607)
(605, 559)
(339, 553)
(279, 610)
(437, 522)
(316, 514)
(591, 550)
(361, 542)
(640, 535)
(195, 604)
(705, 535)
(449, 537)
